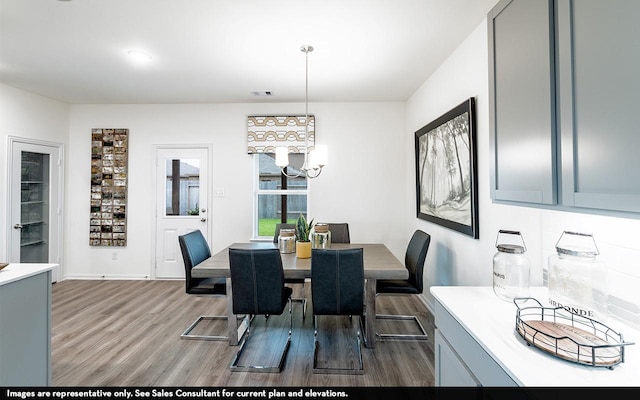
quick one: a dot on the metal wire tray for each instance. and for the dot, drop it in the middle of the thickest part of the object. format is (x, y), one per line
(569, 336)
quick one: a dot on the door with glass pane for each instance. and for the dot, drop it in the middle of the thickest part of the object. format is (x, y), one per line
(181, 197)
(35, 208)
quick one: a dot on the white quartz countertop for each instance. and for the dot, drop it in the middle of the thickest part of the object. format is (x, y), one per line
(491, 322)
(14, 272)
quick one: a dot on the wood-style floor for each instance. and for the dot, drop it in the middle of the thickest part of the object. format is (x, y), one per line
(127, 333)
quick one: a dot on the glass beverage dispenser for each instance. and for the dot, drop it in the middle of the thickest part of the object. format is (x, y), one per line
(577, 279)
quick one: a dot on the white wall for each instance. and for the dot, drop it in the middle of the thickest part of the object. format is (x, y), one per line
(456, 259)
(370, 181)
(361, 185)
(25, 115)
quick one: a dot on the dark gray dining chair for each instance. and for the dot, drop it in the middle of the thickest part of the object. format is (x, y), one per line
(257, 288)
(414, 261)
(195, 249)
(337, 288)
(293, 281)
(339, 232)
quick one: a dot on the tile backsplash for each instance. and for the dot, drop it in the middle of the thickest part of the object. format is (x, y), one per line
(618, 242)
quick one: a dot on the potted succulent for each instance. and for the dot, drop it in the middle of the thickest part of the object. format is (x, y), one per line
(303, 244)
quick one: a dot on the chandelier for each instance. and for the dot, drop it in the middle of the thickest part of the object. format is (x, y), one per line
(314, 159)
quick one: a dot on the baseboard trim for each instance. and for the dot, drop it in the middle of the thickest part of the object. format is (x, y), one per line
(107, 277)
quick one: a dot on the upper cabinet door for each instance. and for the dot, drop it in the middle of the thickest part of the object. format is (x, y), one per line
(522, 101)
(598, 64)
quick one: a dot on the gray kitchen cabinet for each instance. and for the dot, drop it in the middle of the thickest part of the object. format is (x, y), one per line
(460, 360)
(522, 101)
(25, 325)
(563, 84)
(598, 46)
(450, 368)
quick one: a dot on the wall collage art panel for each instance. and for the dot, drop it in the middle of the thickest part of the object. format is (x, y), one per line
(108, 226)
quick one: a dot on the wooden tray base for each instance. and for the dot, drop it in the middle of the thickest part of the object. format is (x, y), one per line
(543, 334)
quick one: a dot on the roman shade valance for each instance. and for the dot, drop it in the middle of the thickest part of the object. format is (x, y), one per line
(265, 133)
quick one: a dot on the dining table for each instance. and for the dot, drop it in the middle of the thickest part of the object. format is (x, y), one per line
(379, 263)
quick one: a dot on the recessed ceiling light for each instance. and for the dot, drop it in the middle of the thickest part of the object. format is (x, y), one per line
(139, 56)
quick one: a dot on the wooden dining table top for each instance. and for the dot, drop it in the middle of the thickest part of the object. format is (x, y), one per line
(379, 262)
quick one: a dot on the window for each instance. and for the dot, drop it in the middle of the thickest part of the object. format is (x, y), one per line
(182, 187)
(278, 199)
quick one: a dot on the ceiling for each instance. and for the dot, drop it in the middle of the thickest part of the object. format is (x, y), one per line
(213, 51)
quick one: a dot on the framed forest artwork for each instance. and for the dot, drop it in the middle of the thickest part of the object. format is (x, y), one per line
(446, 171)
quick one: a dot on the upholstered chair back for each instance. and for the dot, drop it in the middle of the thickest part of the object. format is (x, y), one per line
(257, 281)
(195, 249)
(415, 258)
(337, 281)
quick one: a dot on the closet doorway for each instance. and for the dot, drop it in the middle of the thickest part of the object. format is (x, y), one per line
(35, 201)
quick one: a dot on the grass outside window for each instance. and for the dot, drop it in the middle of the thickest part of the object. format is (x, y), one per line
(267, 226)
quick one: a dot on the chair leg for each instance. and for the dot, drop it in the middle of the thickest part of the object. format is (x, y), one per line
(187, 333)
(302, 300)
(350, 371)
(402, 336)
(235, 367)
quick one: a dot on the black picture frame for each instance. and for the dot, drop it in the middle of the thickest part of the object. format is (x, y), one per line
(446, 170)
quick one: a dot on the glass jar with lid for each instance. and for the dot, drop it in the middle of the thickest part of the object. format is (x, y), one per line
(577, 280)
(511, 269)
(287, 241)
(320, 236)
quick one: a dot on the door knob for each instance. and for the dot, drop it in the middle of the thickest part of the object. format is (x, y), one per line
(17, 226)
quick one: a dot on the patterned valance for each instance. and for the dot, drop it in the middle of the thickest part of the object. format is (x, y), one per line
(265, 133)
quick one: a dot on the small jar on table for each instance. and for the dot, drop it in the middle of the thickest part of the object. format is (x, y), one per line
(320, 236)
(287, 241)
